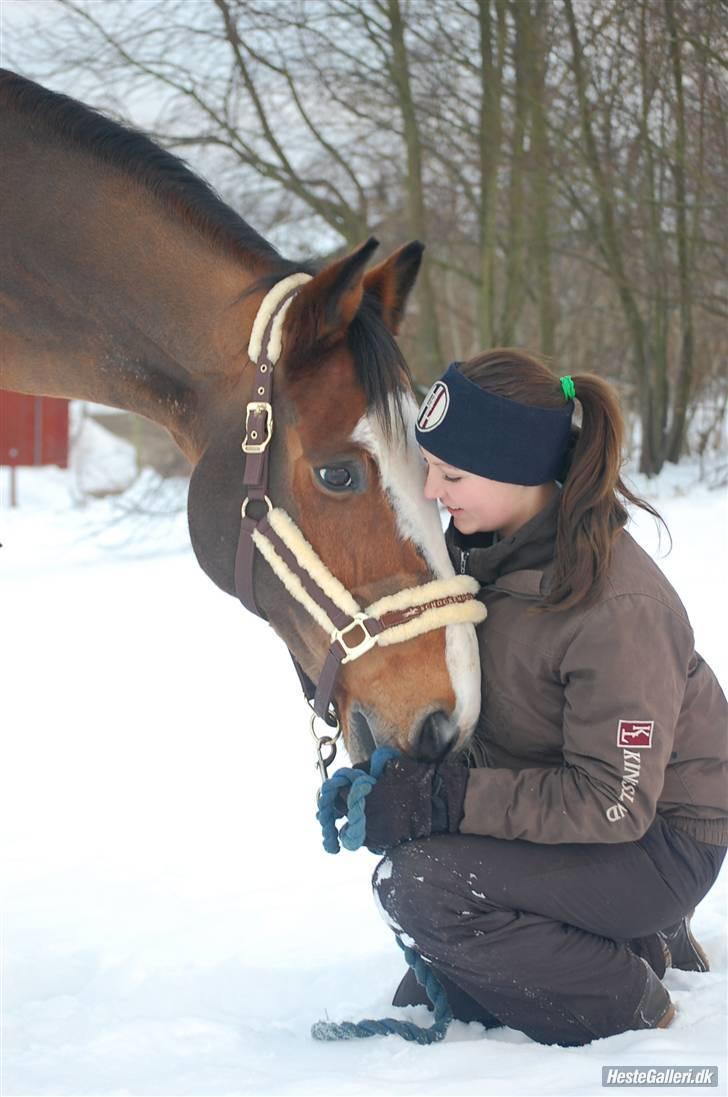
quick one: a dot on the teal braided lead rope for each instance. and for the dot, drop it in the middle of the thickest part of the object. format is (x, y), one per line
(389, 1026)
(327, 812)
(353, 833)
(351, 836)
(379, 759)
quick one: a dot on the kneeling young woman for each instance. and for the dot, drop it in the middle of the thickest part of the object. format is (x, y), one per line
(552, 881)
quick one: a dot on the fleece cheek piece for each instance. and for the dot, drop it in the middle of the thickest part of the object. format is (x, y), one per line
(490, 435)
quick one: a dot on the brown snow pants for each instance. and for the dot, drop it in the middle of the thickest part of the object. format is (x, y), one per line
(535, 936)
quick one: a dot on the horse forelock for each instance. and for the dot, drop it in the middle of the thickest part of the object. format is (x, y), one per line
(381, 369)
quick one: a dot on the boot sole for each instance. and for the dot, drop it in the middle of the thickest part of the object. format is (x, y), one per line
(668, 1016)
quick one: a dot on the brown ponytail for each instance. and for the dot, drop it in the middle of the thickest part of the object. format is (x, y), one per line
(592, 510)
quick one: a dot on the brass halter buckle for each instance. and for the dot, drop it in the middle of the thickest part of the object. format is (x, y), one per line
(257, 407)
(354, 651)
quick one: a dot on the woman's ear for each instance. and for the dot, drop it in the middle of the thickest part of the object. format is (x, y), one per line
(391, 282)
(324, 307)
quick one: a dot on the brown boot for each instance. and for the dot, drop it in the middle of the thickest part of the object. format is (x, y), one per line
(686, 954)
(656, 1009)
(654, 950)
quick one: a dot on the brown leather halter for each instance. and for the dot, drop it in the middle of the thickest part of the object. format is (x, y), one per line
(353, 630)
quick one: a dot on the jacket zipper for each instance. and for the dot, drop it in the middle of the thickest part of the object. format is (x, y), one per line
(464, 554)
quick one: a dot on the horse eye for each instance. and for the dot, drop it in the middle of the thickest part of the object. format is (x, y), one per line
(336, 478)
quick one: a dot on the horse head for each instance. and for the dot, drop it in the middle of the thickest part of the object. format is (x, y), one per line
(173, 287)
(344, 467)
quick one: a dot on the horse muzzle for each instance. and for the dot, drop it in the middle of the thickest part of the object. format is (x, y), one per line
(435, 735)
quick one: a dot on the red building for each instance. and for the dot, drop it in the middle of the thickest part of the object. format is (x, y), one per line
(33, 430)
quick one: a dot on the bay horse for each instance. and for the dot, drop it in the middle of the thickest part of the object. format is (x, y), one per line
(125, 280)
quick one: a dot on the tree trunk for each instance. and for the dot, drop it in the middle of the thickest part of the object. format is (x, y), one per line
(683, 385)
(540, 175)
(514, 260)
(490, 134)
(609, 243)
(428, 336)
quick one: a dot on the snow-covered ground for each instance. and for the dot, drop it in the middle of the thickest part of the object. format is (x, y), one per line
(171, 922)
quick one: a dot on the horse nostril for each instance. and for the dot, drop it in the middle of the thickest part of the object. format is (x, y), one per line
(433, 740)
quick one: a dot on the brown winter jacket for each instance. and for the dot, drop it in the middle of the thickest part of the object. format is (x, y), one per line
(593, 719)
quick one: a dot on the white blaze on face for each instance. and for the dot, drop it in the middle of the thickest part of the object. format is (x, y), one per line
(402, 472)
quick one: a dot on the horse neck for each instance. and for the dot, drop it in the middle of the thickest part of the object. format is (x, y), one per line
(112, 296)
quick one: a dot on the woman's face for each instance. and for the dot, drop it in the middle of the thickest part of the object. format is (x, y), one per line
(479, 505)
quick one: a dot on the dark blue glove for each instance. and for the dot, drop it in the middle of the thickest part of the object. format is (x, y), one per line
(413, 800)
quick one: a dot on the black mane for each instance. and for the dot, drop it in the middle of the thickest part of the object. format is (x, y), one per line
(379, 363)
(130, 151)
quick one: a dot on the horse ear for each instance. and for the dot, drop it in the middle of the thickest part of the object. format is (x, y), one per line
(324, 307)
(392, 281)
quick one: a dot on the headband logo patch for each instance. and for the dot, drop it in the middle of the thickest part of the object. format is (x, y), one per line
(434, 407)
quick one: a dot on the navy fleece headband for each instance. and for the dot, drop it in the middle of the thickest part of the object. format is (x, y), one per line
(474, 430)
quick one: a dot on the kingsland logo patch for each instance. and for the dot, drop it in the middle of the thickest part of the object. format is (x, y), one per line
(636, 734)
(434, 407)
(632, 761)
(632, 736)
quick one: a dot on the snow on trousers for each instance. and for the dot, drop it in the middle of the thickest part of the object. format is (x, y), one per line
(536, 936)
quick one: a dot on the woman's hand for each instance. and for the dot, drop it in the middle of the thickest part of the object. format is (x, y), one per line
(413, 800)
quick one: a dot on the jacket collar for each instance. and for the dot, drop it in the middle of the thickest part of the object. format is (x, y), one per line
(515, 564)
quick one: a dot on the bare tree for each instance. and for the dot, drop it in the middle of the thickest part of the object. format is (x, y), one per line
(640, 215)
(564, 162)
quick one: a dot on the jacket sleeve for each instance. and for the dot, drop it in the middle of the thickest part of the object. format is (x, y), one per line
(624, 676)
